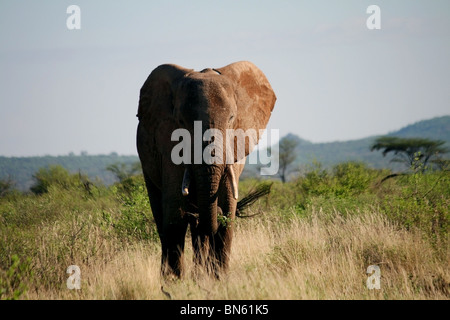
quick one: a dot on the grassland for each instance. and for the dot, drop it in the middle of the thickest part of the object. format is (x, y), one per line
(313, 238)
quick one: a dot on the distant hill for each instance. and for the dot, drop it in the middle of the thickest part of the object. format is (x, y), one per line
(436, 128)
(332, 153)
(21, 169)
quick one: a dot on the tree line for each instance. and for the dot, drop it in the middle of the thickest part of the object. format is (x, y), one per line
(415, 154)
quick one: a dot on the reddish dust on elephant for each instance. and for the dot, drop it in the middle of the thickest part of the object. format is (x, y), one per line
(198, 193)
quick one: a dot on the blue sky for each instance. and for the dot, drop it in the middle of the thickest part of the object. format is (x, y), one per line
(67, 91)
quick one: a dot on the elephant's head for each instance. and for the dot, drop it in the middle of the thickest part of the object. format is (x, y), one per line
(237, 96)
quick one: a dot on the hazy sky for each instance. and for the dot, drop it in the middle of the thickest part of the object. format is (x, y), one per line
(67, 90)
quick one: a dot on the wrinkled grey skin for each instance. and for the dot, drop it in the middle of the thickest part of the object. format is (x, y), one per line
(232, 97)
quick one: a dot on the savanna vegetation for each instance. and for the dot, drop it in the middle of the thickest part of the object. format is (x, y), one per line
(312, 238)
(21, 169)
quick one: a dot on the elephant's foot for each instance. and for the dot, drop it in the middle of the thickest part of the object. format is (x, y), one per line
(207, 260)
(172, 265)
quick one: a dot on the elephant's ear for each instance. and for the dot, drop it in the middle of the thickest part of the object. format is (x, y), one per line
(255, 98)
(157, 93)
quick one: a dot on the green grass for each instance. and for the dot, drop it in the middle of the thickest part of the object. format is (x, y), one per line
(314, 236)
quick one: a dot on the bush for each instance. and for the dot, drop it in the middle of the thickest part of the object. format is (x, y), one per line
(56, 175)
(316, 181)
(352, 178)
(345, 179)
(6, 187)
(14, 281)
(421, 200)
(136, 219)
(417, 201)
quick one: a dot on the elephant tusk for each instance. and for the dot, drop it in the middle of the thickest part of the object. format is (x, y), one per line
(185, 183)
(234, 185)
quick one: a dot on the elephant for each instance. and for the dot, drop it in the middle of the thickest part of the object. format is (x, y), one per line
(196, 193)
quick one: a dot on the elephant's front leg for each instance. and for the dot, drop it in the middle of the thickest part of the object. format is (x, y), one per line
(213, 252)
(223, 239)
(173, 237)
(200, 245)
(224, 236)
(205, 256)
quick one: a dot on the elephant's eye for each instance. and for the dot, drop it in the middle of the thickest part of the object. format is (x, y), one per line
(231, 118)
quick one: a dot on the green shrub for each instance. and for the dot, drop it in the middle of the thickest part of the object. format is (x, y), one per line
(14, 281)
(316, 181)
(7, 187)
(136, 219)
(343, 180)
(57, 176)
(421, 200)
(352, 178)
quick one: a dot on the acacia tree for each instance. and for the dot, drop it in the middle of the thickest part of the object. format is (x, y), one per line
(6, 186)
(286, 156)
(413, 152)
(123, 171)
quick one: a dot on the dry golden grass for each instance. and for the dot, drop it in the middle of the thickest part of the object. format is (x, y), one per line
(306, 258)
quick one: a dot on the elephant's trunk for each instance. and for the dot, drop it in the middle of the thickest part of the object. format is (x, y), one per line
(207, 181)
